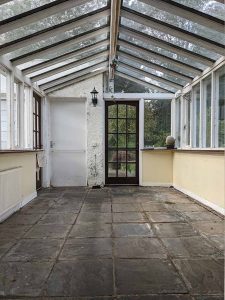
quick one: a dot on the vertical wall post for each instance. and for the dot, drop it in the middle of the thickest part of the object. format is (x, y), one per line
(141, 136)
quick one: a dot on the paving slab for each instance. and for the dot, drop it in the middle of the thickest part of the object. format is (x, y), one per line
(60, 219)
(126, 207)
(90, 230)
(97, 207)
(5, 245)
(145, 276)
(165, 217)
(21, 219)
(94, 218)
(156, 297)
(189, 207)
(13, 231)
(202, 276)
(23, 278)
(34, 250)
(81, 278)
(154, 207)
(218, 241)
(138, 248)
(132, 230)
(174, 229)
(209, 227)
(48, 231)
(194, 246)
(89, 247)
(129, 217)
(201, 216)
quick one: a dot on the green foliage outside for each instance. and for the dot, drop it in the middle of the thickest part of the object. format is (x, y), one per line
(157, 122)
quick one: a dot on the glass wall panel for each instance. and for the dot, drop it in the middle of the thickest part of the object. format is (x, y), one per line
(178, 122)
(122, 85)
(157, 122)
(207, 98)
(187, 115)
(27, 117)
(197, 120)
(16, 113)
(4, 111)
(221, 106)
(175, 20)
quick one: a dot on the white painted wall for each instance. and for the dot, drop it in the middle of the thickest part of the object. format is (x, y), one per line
(95, 125)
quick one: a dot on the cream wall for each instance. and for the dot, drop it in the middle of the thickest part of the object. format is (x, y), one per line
(27, 162)
(157, 168)
(198, 174)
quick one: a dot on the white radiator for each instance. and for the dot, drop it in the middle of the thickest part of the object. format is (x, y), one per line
(10, 191)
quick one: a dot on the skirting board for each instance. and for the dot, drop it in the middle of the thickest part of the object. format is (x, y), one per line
(201, 200)
(7, 213)
(156, 184)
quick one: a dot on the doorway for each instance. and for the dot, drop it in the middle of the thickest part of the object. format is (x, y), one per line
(122, 142)
(68, 142)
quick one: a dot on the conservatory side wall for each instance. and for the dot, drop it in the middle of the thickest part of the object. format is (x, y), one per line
(199, 174)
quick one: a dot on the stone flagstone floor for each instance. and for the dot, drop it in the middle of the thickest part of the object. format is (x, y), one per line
(115, 243)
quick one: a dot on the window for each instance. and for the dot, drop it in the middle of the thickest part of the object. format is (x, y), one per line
(27, 117)
(187, 120)
(4, 110)
(178, 122)
(16, 113)
(37, 122)
(196, 119)
(157, 122)
(207, 99)
(221, 106)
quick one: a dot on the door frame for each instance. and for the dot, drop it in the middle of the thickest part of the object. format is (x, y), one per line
(140, 136)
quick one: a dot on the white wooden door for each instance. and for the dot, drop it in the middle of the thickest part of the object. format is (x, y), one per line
(68, 143)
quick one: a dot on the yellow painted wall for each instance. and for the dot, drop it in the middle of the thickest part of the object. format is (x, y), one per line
(157, 167)
(201, 174)
(28, 181)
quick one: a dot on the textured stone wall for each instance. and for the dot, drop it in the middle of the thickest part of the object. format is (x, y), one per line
(95, 125)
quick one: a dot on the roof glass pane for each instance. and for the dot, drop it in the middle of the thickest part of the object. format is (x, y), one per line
(210, 7)
(123, 85)
(158, 62)
(142, 67)
(53, 20)
(68, 61)
(57, 38)
(172, 19)
(146, 79)
(169, 38)
(62, 51)
(160, 50)
(16, 7)
(70, 71)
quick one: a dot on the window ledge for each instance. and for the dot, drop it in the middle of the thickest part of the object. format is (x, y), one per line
(20, 151)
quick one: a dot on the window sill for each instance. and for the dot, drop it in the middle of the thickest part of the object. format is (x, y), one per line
(20, 151)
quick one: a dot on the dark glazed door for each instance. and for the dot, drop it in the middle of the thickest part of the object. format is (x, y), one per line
(122, 142)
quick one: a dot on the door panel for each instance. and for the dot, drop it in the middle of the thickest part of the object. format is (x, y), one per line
(122, 142)
(68, 143)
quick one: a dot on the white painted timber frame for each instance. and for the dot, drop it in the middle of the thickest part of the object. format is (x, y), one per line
(214, 73)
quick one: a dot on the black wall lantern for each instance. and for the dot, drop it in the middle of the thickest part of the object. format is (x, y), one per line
(94, 94)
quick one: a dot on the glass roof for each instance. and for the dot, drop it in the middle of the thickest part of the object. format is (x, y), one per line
(142, 67)
(169, 38)
(175, 20)
(210, 7)
(54, 54)
(53, 20)
(68, 61)
(158, 62)
(16, 7)
(146, 79)
(57, 38)
(70, 71)
(160, 50)
(123, 85)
